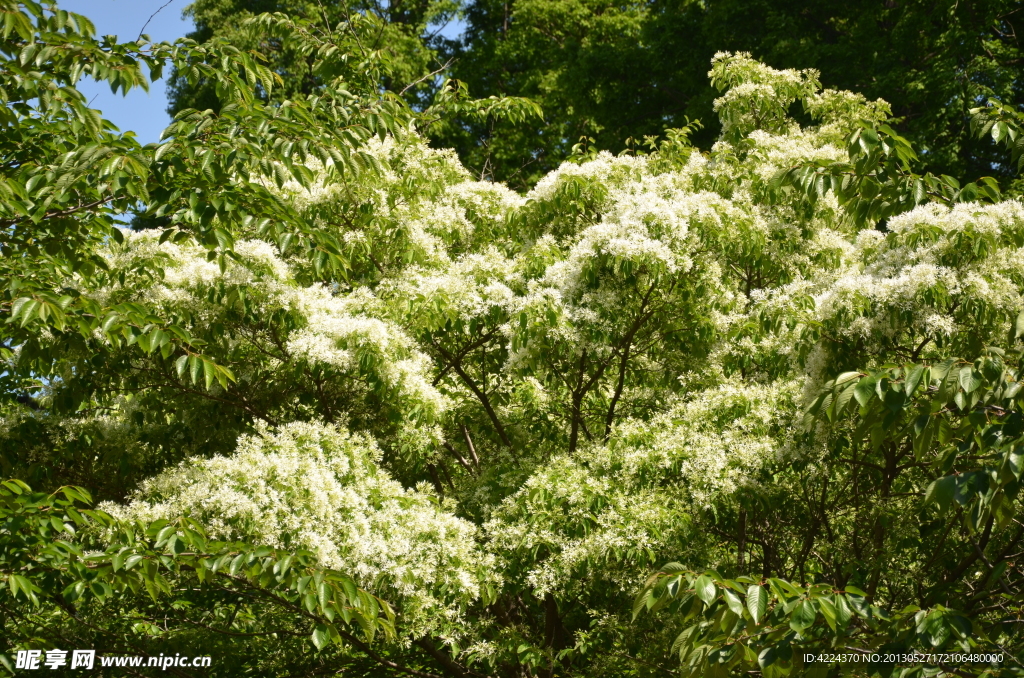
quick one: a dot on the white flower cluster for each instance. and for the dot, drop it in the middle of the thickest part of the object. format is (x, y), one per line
(320, 488)
(757, 96)
(938, 272)
(471, 287)
(627, 497)
(332, 330)
(424, 203)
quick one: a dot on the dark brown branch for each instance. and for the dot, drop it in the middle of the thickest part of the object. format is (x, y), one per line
(462, 354)
(4, 223)
(151, 17)
(70, 611)
(969, 560)
(202, 394)
(360, 645)
(434, 478)
(462, 462)
(445, 661)
(620, 384)
(920, 347)
(480, 395)
(469, 444)
(365, 649)
(183, 620)
(577, 399)
(627, 343)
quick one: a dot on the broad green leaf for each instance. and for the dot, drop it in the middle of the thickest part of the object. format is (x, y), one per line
(970, 378)
(940, 492)
(321, 636)
(864, 391)
(914, 379)
(705, 589)
(802, 617)
(733, 601)
(757, 602)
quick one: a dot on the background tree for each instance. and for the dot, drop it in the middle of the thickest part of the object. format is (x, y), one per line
(408, 31)
(619, 70)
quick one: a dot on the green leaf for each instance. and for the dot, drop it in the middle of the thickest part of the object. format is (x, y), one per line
(757, 602)
(783, 589)
(209, 373)
(914, 379)
(766, 658)
(180, 365)
(844, 398)
(864, 391)
(843, 612)
(935, 628)
(321, 636)
(941, 492)
(705, 589)
(970, 378)
(733, 601)
(176, 545)
(846, 377)
(165, 534)
(828, 611)
(802, 617)
(641, 602)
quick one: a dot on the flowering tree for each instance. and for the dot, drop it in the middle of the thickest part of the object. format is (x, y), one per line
(752, 409)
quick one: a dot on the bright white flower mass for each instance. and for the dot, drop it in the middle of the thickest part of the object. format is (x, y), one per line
(627, 496)
(330, 330)
(321, 488)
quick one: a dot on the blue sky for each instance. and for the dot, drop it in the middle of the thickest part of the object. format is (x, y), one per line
(145, 114)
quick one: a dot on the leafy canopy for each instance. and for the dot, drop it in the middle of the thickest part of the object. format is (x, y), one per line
(668, 411)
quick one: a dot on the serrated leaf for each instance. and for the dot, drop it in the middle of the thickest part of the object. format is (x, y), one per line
(757, 602)
(970, 378)
(642, 601)
(705, 589)
(941, 492)
(733, 601)
(844, 398)
(828, 611)
(180, 365)
(321, 636)
(802, 617)
(843, 611)
(209, 373)
(846, 377)
(914, 379)
(864, 391)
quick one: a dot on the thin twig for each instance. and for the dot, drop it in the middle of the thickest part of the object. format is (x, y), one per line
(151, 16)
(428, 75)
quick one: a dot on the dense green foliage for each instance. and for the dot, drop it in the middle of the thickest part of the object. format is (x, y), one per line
(614, 70)
(407, 30)
(129, 572)
(348, 409)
